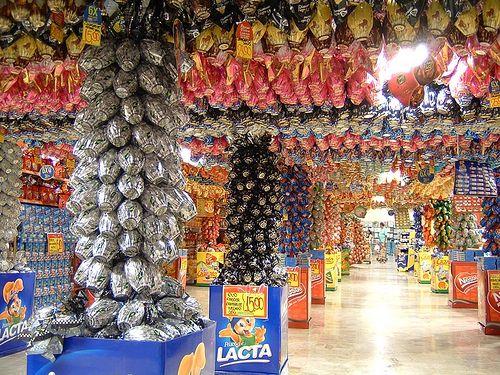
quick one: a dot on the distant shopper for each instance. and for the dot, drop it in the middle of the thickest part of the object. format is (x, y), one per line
(382, 238)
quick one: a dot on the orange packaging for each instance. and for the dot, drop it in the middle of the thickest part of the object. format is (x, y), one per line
(462, 292)
(299, 297)
(489, 300)
(439, 274)
(318, 286)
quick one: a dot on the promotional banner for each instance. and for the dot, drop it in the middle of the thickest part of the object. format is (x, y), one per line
(318, 286)
(439, 274)
(339, 266)
(489, 301)
(299, 296)
(331, 278)
(186, 355)
(425, 265)
(16, 307)
(463, 285)
(208, 266)
(252, 329)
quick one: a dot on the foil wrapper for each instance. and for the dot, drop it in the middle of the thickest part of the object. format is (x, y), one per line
(131, 160)
(170, 287)
(161, 251)
(104, 249)
(111, 331)
(131, 186)
(145, 333)
(96, 83)
(83, 248)
(151, 79)
(105, 106)
(81, 273)
(98, 58)
(98, 275)
(158, 112)
(130, 214)
(154, 170)
(152, 51)
(120, 287)
(154, 200)
(153, 228)
(86, 223)
(125, 84)
(118, 131)
(179, 308)
(109, 170)
(139, 274)
(108, 198)
(144, 137)
(109, 226)
(128, 55)
(132, 110)
(130, 243)
(85, 171)
(130, 315)
(101, 313)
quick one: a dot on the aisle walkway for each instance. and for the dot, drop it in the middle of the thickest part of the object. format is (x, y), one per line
(378, 322)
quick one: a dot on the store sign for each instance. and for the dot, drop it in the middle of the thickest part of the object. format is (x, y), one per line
(494, 90)
(47, 172)
(293, 279)
(466, 282)
(92, 25)
(494, 300)
(16, 304)
(55, 243)
(244, 301)
(426, 174)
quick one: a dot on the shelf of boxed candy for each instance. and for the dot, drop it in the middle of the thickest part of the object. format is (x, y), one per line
(53, 271)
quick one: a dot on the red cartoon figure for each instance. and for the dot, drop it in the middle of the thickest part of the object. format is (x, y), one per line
(14, 312)
(243, 332)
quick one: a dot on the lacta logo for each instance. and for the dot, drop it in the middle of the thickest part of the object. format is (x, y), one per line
(245, 354)
(466, 281)
(11, 332)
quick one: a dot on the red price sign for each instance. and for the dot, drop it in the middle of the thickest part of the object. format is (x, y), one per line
(245, 301)
(92, 34)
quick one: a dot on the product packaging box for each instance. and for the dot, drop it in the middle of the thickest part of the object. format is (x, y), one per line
(16, 307)
(186, 355)
(489, 300)
(331, 278)
(318, 285)
(252, 329)
(207, 266)
(299, 294)
(439, 274)
(346, 266)
(462, 292)
(425, 262)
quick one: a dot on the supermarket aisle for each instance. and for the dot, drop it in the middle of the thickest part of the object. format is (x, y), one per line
(378, 322)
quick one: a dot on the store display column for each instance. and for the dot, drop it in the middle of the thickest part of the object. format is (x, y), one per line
(249, 298)
(129, 200)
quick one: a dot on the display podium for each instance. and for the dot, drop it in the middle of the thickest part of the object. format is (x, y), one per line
(318, 284)
(299, 294)
(462, 292)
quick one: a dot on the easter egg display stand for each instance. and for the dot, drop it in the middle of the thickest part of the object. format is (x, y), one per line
(439, 274)
(462, 292)
(488, 290)
(299, 292)
(82, 356)
(331, 278)
(22, 287)
(424, 269)
(318, 285)
(252, 329)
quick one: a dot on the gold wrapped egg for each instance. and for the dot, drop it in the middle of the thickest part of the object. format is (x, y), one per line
(491, 15)
(396, 15)
(296, 37)
(205, 41)
(36, 18)
(74, 45)
(275, 38)
(5, 24)
(19, 12)
(222, 38)
(360, 21)
(56, 6)
(10, 54)
(26, 47)
(467, 22)
(437, 18)
(258, 30)
(44, 50)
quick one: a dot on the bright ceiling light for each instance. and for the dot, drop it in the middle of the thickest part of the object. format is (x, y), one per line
(387, 177)
(186, 155)
(405, 60)
(378, 199)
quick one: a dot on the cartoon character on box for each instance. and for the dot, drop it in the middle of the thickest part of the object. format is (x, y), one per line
(192, 364)
(243, 332)
(14, 312)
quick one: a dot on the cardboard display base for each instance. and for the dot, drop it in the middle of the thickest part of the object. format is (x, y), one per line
(488, 289)
(299, 297)
(20, 288)
(462, 305)
(252, 329)
(490, 331)
(84, 356)
(318, 284)
(462, 292)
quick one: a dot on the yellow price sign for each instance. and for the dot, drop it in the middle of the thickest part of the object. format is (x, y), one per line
(244, 301)
(494, 281)
(315, 267)
(55, 243)
(184, 263)
(244, 49)
(91, 33)
(70, 163)
(495, 101)
(293, 279)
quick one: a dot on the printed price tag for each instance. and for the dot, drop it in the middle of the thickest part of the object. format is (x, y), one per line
(184, 263)
(245, 301)
(70, 163)
(495, 281)
(91, 34)
(244, 41)
(55, 243)
(293, 279)
(495, 101)
(314, 267)
(285, 216)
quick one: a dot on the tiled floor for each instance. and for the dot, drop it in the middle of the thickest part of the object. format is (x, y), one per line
(378, 322)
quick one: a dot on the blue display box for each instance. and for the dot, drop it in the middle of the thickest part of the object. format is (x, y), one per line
(88, 356)
(16, 306)
(252, 329)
